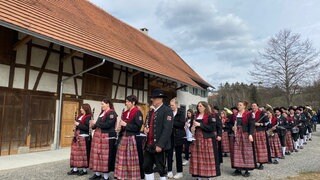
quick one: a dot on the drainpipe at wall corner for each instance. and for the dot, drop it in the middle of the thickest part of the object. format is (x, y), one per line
(57, 135)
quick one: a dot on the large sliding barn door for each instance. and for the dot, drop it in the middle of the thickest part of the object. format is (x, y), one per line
(42, 117)
(13, 123)
(26, 121)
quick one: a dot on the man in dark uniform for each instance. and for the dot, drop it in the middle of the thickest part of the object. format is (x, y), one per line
(158, 128)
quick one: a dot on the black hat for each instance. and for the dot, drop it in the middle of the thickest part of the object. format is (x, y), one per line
(216, 108)
(291, 108)
(277, 109)
(157, 93)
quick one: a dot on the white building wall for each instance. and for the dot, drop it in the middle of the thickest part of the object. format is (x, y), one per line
(188, 99)
(4, 74)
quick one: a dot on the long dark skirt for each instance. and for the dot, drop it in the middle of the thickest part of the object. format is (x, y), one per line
(204, 161)
(275, 146)
(225, 142)
(261, 147)
(289, 141)
(102, 156)
(80, 152)
(243, 156)
(127, 160)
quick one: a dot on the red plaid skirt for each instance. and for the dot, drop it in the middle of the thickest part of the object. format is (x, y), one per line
(78, 156)
(289, 141)
(261, 147)
(275, 146)
(127, 161)
(242, 152)
(202, 161)
(225, 142)
(99, 155)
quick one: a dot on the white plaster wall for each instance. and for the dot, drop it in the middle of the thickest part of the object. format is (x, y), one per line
(18, 79)
(115, 76)
(21, 56)
(78, 64)
(67, 65)
(187, 99)
(68, 86)
(4, 75)
(37, 57)
(48, 82)
(123, 78)
(32, 78)
(121, 93)
(79, 82)
(53, 62)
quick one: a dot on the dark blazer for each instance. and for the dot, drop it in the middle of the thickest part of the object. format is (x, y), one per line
(107, 123)
(84, 128)
(163, 124)
(178, 132)
(209, 128)
(133, 128)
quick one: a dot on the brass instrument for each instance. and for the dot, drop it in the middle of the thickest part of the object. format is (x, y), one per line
(75, 127)
(90, 127)
(270, 132)
(228, 111)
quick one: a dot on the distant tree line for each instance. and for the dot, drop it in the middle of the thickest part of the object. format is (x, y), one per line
(228, 95)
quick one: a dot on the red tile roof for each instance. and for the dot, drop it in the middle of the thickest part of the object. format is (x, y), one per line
(82, 26)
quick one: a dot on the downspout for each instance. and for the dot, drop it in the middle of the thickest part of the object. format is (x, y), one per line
(61, 100)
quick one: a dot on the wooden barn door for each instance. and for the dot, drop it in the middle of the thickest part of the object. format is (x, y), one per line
(67, 122)
(13, 122)
(42, 120)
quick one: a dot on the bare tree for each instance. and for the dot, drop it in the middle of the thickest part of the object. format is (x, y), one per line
(286, 62)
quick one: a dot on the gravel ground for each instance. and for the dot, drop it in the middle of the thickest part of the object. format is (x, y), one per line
(306, 160)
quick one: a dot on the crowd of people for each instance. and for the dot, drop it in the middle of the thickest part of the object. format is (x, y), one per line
(134, 147)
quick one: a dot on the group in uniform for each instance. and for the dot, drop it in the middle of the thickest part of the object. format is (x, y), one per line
(136, 147)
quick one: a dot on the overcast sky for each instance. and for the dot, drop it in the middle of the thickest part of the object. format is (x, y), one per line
(218, 39)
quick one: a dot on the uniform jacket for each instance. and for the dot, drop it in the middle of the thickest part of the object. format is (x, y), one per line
(163, 124)
(261, 117)
(134, 122)
(107, 122)
(84, 124)
(178, 132)
(208, 128)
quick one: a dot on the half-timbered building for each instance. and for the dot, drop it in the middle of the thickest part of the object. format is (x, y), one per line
(46, 49)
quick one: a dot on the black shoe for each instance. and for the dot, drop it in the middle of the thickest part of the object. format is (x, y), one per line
(296, 150)
(95, 177)
(282, 157)
(275, 162)
(305, 143)
(72, 172)
(246, 174)
(236, 173)
(81, 173)
(287, 153)
(261, 167)
(225, 155)
(310, 139)
(301, 147)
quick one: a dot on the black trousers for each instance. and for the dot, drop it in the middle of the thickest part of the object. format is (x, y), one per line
(187, 149)
(295, 136)
(140, 143)
(302, 132)
(282, 140)
(88, 148)
(151, 159)
(169, 153)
